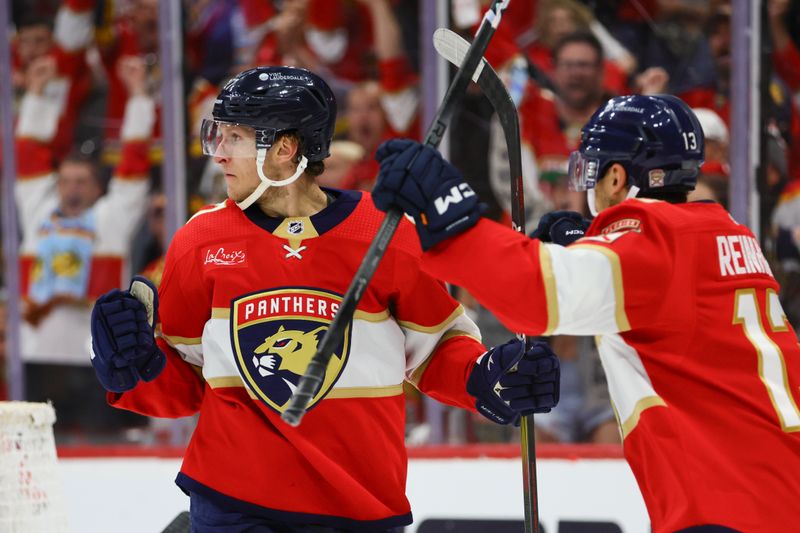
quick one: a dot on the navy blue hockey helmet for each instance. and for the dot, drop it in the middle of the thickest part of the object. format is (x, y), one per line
(272, 100)
(657, 139)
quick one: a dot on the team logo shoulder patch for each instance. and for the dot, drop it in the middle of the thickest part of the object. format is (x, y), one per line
(623, 224)
(656, 177)
(274, 335)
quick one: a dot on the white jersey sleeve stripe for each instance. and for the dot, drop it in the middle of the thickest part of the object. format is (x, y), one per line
(415, 376)
(546, 264)
(629, 384)
(420, 346)
(588, 283)
(436, 328)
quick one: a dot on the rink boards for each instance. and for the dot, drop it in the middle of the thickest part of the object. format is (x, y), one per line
(582, 489)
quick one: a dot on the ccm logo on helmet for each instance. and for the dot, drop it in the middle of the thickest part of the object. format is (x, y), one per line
(457, 194)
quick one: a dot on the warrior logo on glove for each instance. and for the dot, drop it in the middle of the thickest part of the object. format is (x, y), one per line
(275, 334)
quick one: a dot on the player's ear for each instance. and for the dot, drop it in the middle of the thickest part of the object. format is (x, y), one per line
(619, 177)
(287, 147)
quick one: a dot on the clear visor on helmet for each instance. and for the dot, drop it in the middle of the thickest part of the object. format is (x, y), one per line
(226, 139)
(582, 171)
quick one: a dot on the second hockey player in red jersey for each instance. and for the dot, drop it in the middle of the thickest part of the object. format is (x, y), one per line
(249, 288)
(702, 365)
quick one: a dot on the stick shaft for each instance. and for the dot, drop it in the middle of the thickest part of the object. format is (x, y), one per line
(498, 96)
(452, 47)
(315, 373)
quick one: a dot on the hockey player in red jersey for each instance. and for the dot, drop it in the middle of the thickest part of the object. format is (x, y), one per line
(702, 366)
(249, 288)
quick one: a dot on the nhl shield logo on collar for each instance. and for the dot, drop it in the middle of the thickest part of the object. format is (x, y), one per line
(274, 335)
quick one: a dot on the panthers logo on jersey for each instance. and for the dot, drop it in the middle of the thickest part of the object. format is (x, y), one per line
(276, 333)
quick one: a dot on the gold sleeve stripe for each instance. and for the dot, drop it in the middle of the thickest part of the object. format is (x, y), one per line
(416, 375)
(458, 311)
(343, 392)
(372, 317)
(174, 340)
(227, 381)
(551, 295)
(640, 407)
(619, 291)
(221, 312)
(365, 392)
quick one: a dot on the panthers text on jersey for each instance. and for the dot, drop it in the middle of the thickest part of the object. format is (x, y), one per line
(244, 301)
(702, 366)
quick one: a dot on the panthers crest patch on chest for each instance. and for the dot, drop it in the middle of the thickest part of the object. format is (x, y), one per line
(274, 335)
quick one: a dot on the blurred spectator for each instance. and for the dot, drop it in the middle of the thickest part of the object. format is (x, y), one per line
(712, 183)
(75, 245)
(131, 30)
(215, 30)
(786, 233)
(282, 40)
(334, 37)
(551, 123)
(61, 43)
(367, 127)
(630, 21)
(340, 35)
(786, 56)
(147, 256)
(344, 155)
(780, 110)
(558, 18)
(716, 142)
(772, 182)
(676, 41)
(377, 111)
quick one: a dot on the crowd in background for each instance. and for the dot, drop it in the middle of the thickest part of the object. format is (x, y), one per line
(86, 76)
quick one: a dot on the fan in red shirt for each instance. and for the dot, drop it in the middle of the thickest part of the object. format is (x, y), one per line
(63, 45)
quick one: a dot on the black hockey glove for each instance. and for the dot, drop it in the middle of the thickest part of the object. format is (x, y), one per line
(509, 382)
(416, 179)
(124, 348)
(561, 227)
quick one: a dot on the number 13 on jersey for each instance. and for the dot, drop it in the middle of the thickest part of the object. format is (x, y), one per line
(771, 364)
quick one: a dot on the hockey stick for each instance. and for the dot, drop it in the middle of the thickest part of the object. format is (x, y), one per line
(453, 48)
(180, 524)
(315, 372)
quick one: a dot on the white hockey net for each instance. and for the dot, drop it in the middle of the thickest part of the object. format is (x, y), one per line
(31, 493)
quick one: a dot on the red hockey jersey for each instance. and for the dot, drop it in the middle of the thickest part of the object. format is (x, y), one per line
(702, 366)
(244, 301)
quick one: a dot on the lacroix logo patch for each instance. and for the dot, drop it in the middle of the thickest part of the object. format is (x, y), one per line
(224, 255)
